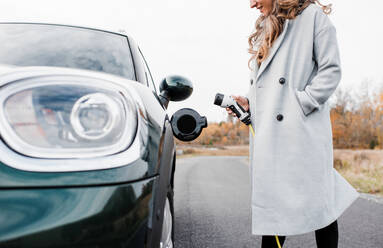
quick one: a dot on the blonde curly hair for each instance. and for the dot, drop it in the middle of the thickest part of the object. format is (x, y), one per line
(268, 28)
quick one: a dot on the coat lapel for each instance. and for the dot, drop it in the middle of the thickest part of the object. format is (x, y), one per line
(255, 68)
(273, 50)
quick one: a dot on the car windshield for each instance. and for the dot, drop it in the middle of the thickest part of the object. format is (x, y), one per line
(63, 46)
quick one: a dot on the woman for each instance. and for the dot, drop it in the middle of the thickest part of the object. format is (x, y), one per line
(295, 69)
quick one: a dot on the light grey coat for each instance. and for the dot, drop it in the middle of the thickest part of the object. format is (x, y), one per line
(295, 188)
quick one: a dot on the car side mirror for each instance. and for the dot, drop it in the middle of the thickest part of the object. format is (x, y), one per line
(175, 88)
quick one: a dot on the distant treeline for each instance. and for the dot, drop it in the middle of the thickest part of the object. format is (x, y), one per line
(357, 123)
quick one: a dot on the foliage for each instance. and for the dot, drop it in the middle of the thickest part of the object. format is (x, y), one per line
(359, 126)
(223, 133)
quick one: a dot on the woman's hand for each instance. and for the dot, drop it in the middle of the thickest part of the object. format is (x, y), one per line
(241, 101)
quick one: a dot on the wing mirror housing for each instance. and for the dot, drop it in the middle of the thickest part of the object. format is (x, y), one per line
(187, 124)
(175, 88)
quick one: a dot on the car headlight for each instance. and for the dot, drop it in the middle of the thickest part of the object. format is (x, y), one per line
(67, 117)
(95, 116)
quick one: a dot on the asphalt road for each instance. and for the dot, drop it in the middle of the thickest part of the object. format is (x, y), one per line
(212, 209)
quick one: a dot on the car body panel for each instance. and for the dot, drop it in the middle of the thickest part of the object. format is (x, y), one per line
(164, 185)
(14, 178)
(108, 216)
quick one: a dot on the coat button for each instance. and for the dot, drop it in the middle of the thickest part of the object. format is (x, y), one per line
(279, 117)
(251, 81)
(282, 80)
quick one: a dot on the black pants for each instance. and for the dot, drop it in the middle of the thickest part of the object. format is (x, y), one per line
(326, 237)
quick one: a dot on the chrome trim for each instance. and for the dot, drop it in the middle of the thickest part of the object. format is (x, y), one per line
(18, 161)
(42, 164)
(18, 144)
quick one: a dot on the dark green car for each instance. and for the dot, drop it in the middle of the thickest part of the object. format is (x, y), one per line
(87, 153)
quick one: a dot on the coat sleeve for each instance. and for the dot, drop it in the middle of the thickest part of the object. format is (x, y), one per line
(324, 83)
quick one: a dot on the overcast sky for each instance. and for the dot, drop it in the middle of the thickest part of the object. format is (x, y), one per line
(206, 40)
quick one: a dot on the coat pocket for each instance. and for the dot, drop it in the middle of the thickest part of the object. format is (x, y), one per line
(305, 103)
(300, 110)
